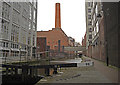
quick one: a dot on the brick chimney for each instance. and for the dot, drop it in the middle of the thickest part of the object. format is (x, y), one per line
(57, 16)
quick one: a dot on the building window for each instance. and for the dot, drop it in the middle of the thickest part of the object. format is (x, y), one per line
(89, 4)
(29, 25)
(4, 29)
(34, 15)
(90, 36)
(89, 16)
(33, 40)
(6, 11)
(6, 44)
(90, 42)
(97, 27)
(89, 10)
(96, 9)
(3, 44)
(90, 23)
(34, 27)
(29, 40)
(15, 33)
(17, 6)
(30, 14)
(90, 29)
(15, 17)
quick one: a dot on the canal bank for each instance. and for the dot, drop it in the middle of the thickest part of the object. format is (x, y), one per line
(99, 73)
(76, 75)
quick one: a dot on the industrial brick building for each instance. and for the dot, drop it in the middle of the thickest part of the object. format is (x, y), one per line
(56, 38)
(41, 46)
(17, 29)
(84, 44)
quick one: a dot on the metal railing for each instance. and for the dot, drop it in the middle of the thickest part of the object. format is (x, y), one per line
(6, 57)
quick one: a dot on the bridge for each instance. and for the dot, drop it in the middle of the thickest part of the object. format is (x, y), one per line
(79, 48)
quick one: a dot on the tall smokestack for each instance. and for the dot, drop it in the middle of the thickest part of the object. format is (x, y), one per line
(57, 16)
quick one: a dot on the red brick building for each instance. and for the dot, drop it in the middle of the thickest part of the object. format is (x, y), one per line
(84, 43)
(84, 40)
(41, 46)
(55, 38)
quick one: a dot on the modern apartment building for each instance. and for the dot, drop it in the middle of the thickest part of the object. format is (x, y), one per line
(18, 26)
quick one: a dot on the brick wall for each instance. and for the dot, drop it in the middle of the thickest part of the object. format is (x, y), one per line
(84, 44)
(52, 37)
(41, 46)
(102, 40)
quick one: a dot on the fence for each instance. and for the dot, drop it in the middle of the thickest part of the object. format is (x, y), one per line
(6, 57)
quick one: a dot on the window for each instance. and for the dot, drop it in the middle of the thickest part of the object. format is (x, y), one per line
(89, 4)
(15, 17)
(89, 16)
(5, 11)
(29, 25)
(6, 44)
(34, 27)
(35, 3)
(90, 36)
(90, 42)
(34, 15)
(30, 14)
(29, 40)
(89, 10)
(97, 27)
(33, 40)
(90, 23)
(90, 29)
(96, 9)
(3, 44)
(4, 29)
(17, 6)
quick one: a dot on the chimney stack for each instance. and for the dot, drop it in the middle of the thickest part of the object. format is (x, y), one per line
(57, 16)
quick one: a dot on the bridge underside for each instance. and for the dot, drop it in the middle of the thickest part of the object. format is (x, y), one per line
(80, 48)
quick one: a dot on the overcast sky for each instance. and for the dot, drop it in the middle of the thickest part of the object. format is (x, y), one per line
(72, 17)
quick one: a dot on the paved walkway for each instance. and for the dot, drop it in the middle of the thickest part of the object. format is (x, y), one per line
(76, 75)
(99, 73)
(110, 72)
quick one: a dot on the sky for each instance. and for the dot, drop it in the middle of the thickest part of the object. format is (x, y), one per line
(72, 17)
